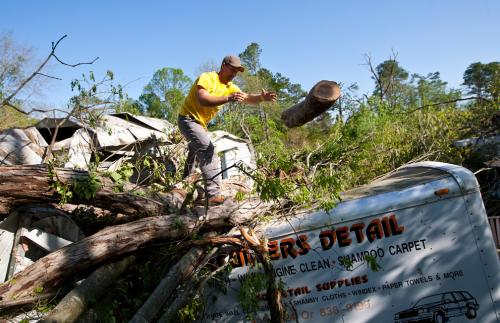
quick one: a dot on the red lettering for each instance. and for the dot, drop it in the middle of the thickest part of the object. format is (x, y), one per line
(358, 230)
(396, 229)
(303, 245)
(327, 239)
(287, 248)
(343, 236)
(374, 230)
(273, 250)
(386, 227)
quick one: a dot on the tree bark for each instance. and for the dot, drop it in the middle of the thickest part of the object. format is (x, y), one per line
(176, 274)
(30, 184)
(320, 98)
(51, 270)
(30, 300)
(76, 301)
(170, 312)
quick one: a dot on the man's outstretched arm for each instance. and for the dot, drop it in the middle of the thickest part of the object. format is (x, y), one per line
(208, 100)
(263, 96)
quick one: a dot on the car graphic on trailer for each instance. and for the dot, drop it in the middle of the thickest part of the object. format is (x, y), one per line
(439, 308)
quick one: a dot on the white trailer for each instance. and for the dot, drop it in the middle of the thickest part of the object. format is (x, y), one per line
(424, 230)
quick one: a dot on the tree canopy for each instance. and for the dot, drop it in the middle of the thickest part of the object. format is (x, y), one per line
(165, 92)
(483, 80)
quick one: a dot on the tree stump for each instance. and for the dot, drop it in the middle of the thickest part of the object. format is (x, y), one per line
(320, 98)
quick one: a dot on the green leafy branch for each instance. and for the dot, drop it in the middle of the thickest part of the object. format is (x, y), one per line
(121, 176)
(84, 187)
(63, 189)
(251, 286)
(87, 187)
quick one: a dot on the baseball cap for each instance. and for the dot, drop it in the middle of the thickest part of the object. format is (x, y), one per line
(234, 61)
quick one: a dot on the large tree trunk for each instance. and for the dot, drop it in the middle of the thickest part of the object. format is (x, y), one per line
(320, 98)
(30, 184)
(176, 274)
(49, 271)
(76, 301)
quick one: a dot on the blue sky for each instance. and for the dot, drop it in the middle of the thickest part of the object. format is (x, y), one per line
(307, 41)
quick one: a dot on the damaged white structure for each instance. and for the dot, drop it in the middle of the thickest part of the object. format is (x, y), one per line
(233, 151)
(117, 137)
(28, 234)
(117, 134)
(21, 147)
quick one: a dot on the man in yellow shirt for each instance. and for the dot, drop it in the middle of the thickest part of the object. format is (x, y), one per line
(208, 93)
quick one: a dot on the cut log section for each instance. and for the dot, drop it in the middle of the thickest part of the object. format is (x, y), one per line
(320, 98)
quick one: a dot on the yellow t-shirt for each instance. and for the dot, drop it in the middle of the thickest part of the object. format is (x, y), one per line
(210, 82)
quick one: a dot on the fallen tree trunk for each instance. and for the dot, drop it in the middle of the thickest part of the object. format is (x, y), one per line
(320, 98)
(176, 274)
(30, 300)
(76, 301)
(182, 299)
(51, 270)
(188, 288)
(28, 184)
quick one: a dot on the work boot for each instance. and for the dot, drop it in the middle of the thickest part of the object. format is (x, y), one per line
(213, 200)
(216, 200)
